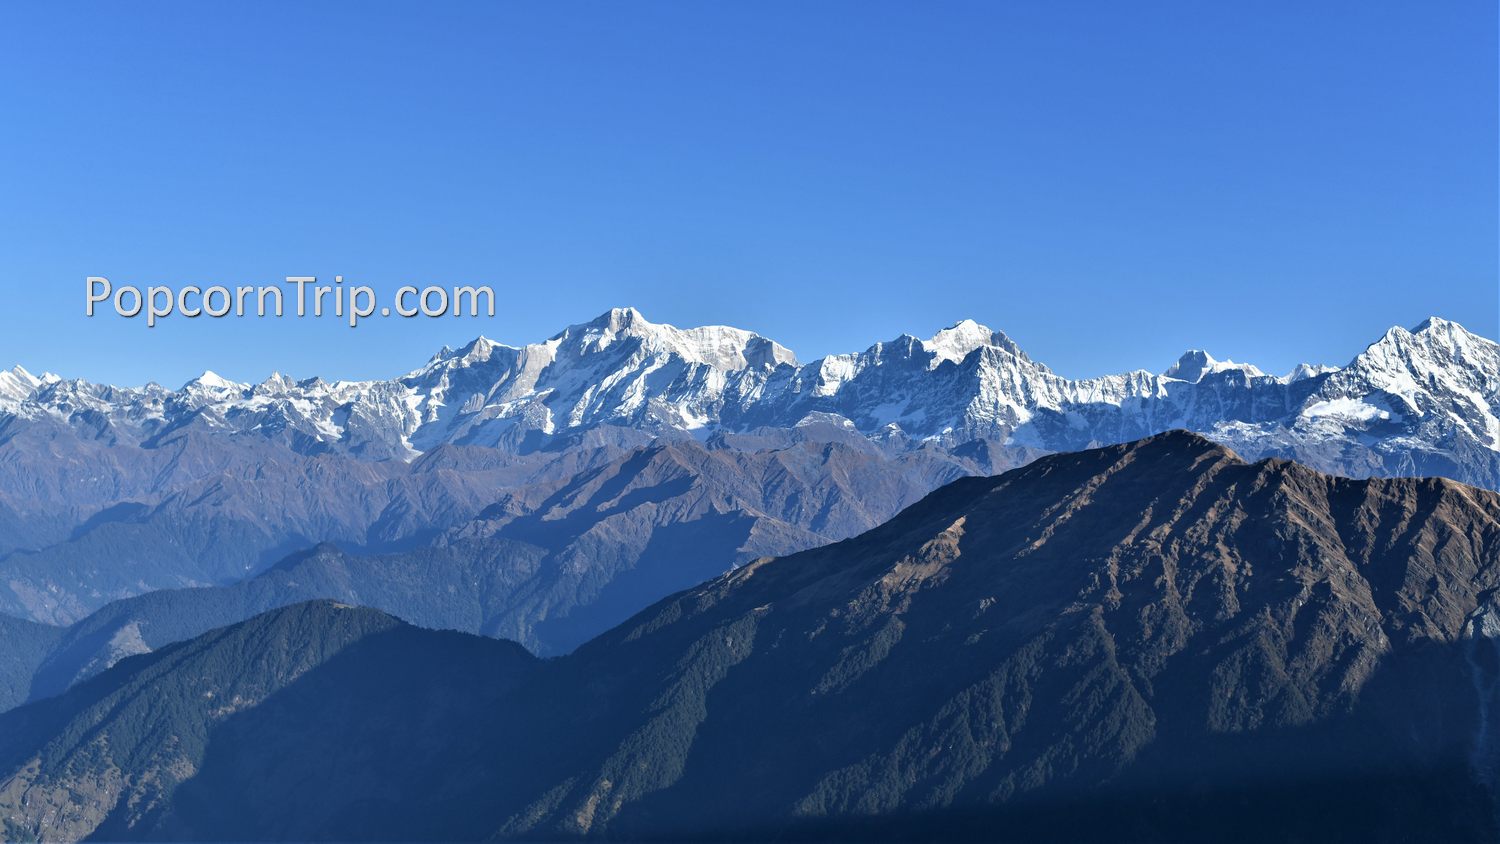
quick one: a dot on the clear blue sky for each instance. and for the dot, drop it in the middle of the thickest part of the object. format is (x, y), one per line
(1110, 183)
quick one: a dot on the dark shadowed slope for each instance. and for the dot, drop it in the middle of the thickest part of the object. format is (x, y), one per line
(24, 648)
(357, 701)
(1155, 641)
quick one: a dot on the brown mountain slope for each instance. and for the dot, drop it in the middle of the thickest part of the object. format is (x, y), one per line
(1158, 621)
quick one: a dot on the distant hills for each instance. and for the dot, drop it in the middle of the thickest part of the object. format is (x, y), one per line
(1149, 641)
(549, 566)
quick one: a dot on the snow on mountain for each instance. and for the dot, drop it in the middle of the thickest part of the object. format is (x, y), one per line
(956, 343)
(212, 381)
(1303, 371)
(1413, 399)
(1196, 363)
(17, 385)
(1444, 380)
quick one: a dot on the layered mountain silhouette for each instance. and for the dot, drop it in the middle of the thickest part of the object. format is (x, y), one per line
(769, 493)
(107, 492)
(1149, 641)
(549, 565)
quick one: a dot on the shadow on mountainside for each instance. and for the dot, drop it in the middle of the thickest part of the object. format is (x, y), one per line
(377, 743)
(352, 751)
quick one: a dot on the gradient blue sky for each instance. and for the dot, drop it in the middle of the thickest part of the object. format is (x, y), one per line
(1110, 183)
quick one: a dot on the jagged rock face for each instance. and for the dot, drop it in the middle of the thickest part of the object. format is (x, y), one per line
(1156, 641)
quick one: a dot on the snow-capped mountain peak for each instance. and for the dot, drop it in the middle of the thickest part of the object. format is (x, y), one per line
(1430, 390)
(479, 349)
(1446, 336)
(1303, 371)
(1438, 375)
(718, 346)
(211, 380)
(958, 341)
(16, 384)
(1435, 344)
(1195, 364)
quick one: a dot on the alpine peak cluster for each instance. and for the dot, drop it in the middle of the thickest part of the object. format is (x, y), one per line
(1425, 400)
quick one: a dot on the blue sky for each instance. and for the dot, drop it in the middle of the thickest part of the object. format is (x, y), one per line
(1108, 183)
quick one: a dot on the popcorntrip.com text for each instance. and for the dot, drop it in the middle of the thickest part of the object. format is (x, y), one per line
(300, 296)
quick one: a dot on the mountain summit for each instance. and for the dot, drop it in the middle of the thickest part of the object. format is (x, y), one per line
(1196, 363)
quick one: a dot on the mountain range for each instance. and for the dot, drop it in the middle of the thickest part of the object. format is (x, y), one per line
(548, 565)
(1424, 401)
(1156, 641)
(545, 493)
